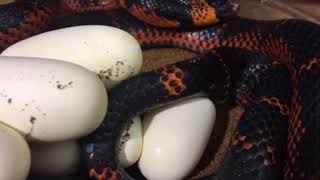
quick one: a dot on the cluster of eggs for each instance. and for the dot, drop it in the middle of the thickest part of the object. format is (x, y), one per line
(54, 91)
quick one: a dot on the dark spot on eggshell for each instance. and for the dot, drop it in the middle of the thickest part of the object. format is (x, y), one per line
(105, 74)
(119, 63)
(126, 135)
(64, 86)
(115, 70)
(59, 86)
(32, 119)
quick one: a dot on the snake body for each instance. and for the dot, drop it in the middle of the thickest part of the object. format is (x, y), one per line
(277, 136)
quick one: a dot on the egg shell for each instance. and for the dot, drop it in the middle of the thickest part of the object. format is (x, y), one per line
(112, 53)
(131, 143)
(14, 155)
(55, 159)
(50, 100)
(175, 138)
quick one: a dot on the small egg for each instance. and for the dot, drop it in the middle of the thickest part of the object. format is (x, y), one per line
(14, 155)
(55, 159)
(131, 143)
(50, 100)
(175, 138)
(112, 53)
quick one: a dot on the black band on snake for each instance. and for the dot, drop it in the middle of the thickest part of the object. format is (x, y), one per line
(277, 136)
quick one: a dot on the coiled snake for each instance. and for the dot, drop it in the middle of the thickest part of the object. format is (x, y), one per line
(277, 136)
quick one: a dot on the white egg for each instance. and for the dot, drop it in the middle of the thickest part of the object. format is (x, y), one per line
(175, 138)
(14, 155)
(50, 100)
(131, 143)
(112, 53)
(55, 159)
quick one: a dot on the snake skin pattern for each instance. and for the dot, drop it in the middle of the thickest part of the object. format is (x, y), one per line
(277, 136)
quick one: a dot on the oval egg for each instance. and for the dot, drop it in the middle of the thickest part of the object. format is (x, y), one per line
(131, 143)
(50, 100)
(175, 138)
(14, 155)
(110, 52)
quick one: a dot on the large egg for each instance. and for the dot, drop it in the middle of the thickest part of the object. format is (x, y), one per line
(50, 100)
(175, 138)
(112, 53)
(131, 143)
(56, 159)
(14, 155)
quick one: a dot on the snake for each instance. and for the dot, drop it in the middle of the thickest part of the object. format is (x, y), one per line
(277, 137)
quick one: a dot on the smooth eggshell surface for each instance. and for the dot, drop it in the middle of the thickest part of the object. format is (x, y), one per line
(175, 138)
(50, 100)
(14, 155)
(55, 159)
(112, 53)
(131, 143)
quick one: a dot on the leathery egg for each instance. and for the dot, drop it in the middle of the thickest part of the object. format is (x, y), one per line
(112, 53)
(131, 143)
(175, 138)
(50, 100)
(14, 155)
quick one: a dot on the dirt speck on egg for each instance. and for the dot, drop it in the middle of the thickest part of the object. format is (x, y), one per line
(105, 74)
(126, 134)
(32, 119)
(115, 70)
(119, 63)
(61, 86)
